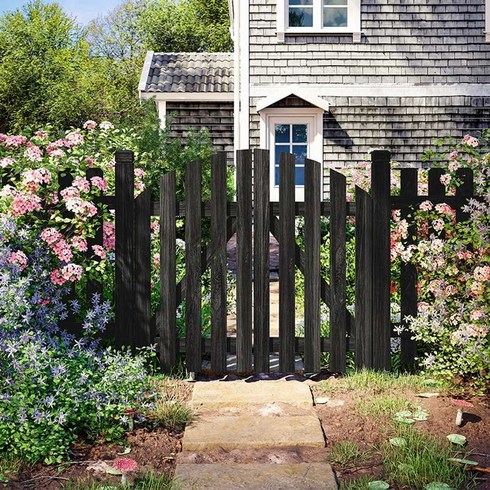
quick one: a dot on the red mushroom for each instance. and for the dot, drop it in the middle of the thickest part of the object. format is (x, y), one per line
(459, 414)
(125, 465)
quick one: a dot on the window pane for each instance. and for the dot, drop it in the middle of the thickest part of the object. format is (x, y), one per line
(300, 176)
(276, 175)
(282, 133)
(300, 17)
(280, 149)
(335, 2)
(299, 133)
(334, 17)
(300, 153)
(301, 2)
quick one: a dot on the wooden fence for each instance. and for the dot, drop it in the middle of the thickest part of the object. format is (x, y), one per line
(367, 333)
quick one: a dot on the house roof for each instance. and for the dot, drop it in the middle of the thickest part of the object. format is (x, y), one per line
(187, 73)
(302, 93)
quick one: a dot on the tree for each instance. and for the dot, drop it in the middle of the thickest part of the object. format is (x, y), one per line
(187, 25)
(46, 74)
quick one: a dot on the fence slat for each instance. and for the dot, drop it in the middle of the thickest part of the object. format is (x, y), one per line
(244, 260)
(408, 282)
(193, 266)
(436, 187)
(381, 180)
(312, 266)
(124, 247)
(338, 266)
(364, 280)
(465, 175)
(261, 260)
(286, 262)
(166, 316)
(142, 281)
(218, 262)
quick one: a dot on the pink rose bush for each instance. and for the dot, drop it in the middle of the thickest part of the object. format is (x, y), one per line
(69, 218)
(453, 267)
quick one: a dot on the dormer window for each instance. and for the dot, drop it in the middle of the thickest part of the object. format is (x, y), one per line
(318, 17)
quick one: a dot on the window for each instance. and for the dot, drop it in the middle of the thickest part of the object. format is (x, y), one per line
(294, 130)
(291, 138)
(487, 21)
(318, 17)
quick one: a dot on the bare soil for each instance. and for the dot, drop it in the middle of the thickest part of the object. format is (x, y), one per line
(159, 449)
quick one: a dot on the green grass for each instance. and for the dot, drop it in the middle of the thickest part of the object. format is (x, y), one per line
(171, 414)
(360, 483)
(149, 481)
(347, 454)
(374, 382)
(381, 405)
(422, 460)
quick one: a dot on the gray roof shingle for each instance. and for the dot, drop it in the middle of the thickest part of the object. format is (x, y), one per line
(190, 72)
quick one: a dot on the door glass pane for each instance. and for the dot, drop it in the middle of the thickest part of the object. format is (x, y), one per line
(281, 149)
(300, 153)
(301, 2)
(300, 16)
(300, 176)
(334, 16)
(334, 2)
(299, 133)
(282, 133)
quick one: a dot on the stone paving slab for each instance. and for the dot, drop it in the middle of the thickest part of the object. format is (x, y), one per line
(248, 432)
(215, 395)
(223, 476)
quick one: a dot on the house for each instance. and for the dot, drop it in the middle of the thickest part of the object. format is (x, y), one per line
(331, 79)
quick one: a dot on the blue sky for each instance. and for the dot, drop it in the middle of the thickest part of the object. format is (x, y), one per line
(83, 10)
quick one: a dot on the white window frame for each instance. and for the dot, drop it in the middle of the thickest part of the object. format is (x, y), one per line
(353, 16)
(311, 116)
(487, 21)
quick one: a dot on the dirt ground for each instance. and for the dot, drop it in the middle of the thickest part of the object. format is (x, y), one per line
(159, 448)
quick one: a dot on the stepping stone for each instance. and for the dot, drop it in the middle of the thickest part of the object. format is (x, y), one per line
(248, 432)
(225, 476)
(215, 395)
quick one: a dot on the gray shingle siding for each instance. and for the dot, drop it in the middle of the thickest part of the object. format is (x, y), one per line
(216, 117)
(414, 41)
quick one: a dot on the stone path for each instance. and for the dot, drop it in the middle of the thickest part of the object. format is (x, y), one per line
(261, 435)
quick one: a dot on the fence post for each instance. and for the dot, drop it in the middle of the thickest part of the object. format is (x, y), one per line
(124, 248)
(380, 185)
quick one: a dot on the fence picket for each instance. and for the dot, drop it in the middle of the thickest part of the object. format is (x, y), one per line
(142, 281)
(465, 175)
(338, 278)
(286, 262)
(244, 261)
(166, 317)
(364, 280)
(261, 260)
(193, 175)
(408, 282)
(125, 247)
(312, 266)
(218, 262)
(380, 184)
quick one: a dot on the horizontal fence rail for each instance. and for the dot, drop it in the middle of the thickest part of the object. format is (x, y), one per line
(367, 332)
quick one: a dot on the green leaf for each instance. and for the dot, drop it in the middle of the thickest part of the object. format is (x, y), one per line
(112, 471)
(464, 461)
(398, 442)
(435, 485)
(420, 415)
(428, 395)
(378, 485)
(127, 450)
(403, 414)
(457, 439)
